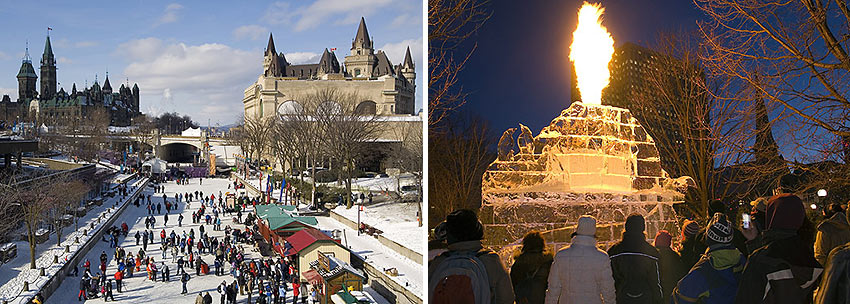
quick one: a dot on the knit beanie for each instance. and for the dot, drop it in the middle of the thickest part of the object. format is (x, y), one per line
(718, 231)
(690, 228)
(635, 223)
(586, 225)
(463, 225)
(663, 239)
(785, 211)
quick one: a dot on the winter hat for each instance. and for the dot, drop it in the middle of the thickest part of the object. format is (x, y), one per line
(635, 223)
(690, 228)
(785, 211)
(663, 239)
(463, 225)
(716, 206)
(586, 225)
(718, 231)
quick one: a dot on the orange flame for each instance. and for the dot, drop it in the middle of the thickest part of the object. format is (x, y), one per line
(590, 53)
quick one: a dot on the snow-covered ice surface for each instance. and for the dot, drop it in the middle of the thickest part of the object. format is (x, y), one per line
(140, 290)
(397, 220)
(381, 257)
(14, 273)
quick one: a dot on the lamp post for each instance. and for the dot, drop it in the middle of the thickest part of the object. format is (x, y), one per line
(821, 195)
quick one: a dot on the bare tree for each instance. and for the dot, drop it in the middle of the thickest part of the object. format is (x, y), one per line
(457, 161)
(72, 191)
(793, 54)
(450, 22)
(345, 132)
(35, 202)
(256, 132)
(144, 131)
(409, 156)
(697, 133)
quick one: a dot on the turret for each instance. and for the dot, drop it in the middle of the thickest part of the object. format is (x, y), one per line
(27, 79)
(362, 60)
(408, 69)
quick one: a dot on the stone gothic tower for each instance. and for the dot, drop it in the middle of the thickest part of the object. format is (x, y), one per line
(408, 69)
(362, 60)
(48, 72)
(274, 64)
(136, 98)
(27, 79)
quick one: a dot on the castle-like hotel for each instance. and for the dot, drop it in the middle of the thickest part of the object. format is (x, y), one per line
(385, 89)
(121, 105)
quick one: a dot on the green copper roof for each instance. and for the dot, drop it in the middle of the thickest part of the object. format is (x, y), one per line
(27, 70)
(276, 222)
(48, 50)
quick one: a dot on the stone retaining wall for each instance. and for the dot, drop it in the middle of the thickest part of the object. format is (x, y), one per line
(389, 289)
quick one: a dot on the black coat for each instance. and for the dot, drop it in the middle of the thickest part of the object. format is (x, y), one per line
(787, 263)
(636, 270)
(529, 276)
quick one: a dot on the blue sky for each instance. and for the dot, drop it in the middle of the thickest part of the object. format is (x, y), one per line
(196, 57)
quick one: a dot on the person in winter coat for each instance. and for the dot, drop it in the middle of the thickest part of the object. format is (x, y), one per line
(531, 269)
(832, 232)
(692, 247)
(784, 270)
(463, 233)
(635, 266)
(222, 291)
(183, 279)
(835, 285)
(581, 272)
(671, 264)
(714, 279)
(207, 298)
(200, 298)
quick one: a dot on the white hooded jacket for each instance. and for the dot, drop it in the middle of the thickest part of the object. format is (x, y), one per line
(581, 273)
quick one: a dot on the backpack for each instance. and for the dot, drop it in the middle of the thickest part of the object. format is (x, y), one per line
(460, 278)
(526, 286)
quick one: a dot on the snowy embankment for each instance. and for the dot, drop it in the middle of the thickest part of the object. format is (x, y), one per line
(398, 221)
(18, 271)
(379, 256)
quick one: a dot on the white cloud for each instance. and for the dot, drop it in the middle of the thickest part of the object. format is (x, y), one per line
(141, 49)
(191, 79)
(320, 11)
(302, 57)
(64, 60)
(395, 51)
(405, 19)
(84, 44)
(252, 32)
(169, 15)
(12, 92)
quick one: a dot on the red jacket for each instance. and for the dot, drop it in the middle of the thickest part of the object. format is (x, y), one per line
(119, 275)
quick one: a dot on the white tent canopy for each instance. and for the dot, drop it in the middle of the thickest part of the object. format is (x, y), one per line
(155, 165)
(195, 132)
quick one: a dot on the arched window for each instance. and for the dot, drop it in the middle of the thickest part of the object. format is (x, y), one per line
(367, 107)
(356, 72)
(289, 107)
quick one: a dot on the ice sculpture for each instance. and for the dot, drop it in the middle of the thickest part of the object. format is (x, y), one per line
(592, 159)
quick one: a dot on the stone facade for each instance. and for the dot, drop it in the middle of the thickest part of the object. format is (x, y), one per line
(385, 89)
(591, 159)
(121, 106)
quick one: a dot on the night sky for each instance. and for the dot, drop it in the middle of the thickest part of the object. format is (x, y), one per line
(520, 70)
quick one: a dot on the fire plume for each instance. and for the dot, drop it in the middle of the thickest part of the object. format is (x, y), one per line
(590, 53)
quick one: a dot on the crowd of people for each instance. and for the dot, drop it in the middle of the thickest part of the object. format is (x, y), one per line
(266, 280)
(775, 254)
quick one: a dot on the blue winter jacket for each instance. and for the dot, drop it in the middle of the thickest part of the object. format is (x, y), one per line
(714, 279)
